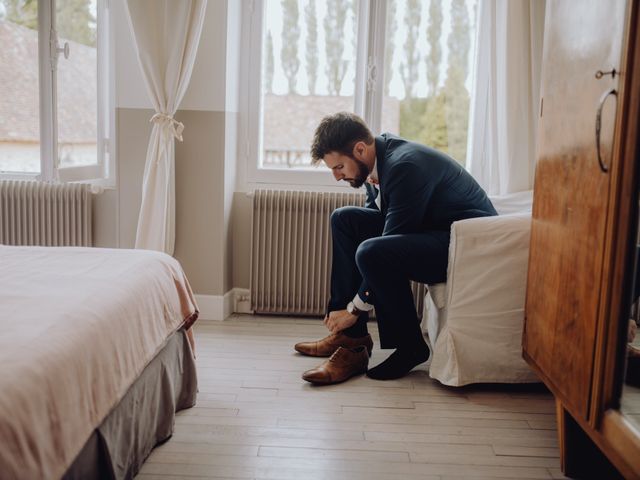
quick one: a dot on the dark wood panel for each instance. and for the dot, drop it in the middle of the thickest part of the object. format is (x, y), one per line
(571, 195)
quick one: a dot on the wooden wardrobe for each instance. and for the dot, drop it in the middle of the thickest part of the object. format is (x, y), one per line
(585, 220)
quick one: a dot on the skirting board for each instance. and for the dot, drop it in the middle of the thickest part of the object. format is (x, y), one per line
(220, 307)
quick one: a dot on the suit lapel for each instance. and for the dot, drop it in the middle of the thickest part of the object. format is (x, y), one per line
(381, 150)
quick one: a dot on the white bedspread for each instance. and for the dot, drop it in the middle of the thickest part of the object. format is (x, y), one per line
(77, 326)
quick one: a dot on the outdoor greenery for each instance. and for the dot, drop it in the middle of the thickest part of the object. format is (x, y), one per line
(74, 20)
(290, 39)
(311, 57)
(440, 119)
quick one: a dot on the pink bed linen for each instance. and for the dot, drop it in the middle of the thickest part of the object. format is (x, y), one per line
(77, 326)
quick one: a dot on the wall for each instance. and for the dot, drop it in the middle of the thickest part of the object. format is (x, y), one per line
(205, 160)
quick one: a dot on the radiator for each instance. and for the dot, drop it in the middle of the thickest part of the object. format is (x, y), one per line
(37, 213)
(291, 251)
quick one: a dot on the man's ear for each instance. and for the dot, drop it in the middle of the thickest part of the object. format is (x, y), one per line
(358, 150)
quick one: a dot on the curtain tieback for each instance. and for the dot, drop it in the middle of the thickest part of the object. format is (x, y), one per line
(175, 126)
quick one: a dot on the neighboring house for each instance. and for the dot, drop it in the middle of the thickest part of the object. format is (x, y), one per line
(19, 102)
(290, 120)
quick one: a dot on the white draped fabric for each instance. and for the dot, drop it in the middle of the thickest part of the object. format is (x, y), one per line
(166, 33)
(505, 101)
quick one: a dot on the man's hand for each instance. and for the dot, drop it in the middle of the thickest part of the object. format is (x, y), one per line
(339, 320)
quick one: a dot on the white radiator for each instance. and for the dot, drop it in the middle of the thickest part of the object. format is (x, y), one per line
(291, 251)
(37, 213)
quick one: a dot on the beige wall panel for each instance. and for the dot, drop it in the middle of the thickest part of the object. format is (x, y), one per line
(133, 130)
(241, 239)
(105, 219)
(200, 237)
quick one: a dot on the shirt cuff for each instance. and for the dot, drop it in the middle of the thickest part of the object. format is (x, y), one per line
(360, 305)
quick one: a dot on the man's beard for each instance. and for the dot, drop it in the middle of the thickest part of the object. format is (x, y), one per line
(361, 177)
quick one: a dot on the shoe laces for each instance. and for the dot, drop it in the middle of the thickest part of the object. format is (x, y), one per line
(340, 351)
(336, 354)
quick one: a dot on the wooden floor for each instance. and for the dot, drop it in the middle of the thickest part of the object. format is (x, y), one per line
(256, 418)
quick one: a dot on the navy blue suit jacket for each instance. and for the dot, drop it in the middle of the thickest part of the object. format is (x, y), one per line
(422, 190)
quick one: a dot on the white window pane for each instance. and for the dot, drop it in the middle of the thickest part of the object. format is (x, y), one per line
(308, 71)
(77, 87)
(428, 56)
(19, 94)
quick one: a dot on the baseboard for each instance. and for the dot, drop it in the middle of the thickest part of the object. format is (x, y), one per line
(220, 307)
(241, 300)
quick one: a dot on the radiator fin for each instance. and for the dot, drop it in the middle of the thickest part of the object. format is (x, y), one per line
(291, 251)
(38, 213)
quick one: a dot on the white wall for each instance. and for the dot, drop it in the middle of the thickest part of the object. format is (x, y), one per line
(207, 87)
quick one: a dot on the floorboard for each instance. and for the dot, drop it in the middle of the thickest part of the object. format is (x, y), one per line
(257, 419)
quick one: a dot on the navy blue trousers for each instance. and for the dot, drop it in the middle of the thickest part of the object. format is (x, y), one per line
(387, 264)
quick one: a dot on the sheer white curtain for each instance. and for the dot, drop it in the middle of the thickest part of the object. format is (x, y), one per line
(505, 99)
(166, 33)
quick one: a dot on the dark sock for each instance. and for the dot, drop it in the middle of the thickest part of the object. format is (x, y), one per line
(358, 329)
(399, 363)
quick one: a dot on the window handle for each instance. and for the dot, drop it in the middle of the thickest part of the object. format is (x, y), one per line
(372, 74)
(56, 49)
(64, 50)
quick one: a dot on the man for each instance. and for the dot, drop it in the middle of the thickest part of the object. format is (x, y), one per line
(401, 234)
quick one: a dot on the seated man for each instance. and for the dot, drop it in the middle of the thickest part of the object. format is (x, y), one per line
(401, 234)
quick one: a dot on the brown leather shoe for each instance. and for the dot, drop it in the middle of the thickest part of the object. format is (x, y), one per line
(342, 365)
(328, 345)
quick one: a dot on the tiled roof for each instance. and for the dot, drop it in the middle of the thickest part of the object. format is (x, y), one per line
(19, 97)
(290, 120)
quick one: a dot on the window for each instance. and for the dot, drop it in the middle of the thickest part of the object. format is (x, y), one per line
(403, 65)
(55, 115)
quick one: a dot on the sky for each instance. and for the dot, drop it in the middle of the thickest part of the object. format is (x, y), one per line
(273, 23)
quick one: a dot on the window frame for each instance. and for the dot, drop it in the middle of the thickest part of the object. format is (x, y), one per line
(368, 93)
(102, 173)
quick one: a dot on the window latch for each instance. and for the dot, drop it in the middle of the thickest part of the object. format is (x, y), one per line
(372, 75)
(56, 49)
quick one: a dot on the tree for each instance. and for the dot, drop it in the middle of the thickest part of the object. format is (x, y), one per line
(334, 23)
(290, 39)
(311, 54)
(353, 8)
(75, 22)
(269, 64)
(409, 66)
(434, 57)
(392, 26)
(435, 132)
(21, 12)
(459, 41)
(457, 96)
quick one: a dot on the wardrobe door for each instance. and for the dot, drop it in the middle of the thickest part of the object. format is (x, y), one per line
(571, 193)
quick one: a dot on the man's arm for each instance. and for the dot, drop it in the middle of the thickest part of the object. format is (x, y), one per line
(409, 195)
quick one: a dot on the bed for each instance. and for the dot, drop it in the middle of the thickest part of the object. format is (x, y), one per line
(96, 356)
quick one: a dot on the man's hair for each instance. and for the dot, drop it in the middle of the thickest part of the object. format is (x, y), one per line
(339, 133)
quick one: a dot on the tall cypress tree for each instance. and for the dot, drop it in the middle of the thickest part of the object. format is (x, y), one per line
(392, 26)
(459, 42)
(353, 8)
(21, 12)
(457, 96)
(290, 39)
(434, 57)
(311, 54)
(409, 67)
(269, 64)
(74, 21)
(334, 23)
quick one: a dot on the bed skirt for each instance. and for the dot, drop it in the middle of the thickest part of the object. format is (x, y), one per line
(143, 418)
